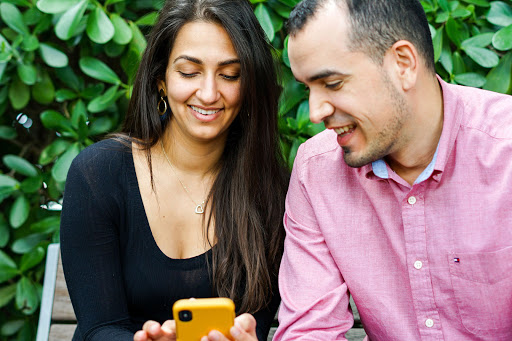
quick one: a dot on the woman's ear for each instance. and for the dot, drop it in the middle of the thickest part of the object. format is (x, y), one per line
(405, 59)
(161, 86)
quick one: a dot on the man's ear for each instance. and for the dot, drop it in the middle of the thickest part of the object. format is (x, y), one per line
(404, 59)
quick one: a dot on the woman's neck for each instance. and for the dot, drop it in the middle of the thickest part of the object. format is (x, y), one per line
(192, 157)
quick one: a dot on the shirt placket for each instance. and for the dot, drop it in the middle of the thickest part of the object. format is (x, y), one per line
(413, 217)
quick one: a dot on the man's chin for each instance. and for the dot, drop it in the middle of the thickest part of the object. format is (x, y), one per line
(354, 161)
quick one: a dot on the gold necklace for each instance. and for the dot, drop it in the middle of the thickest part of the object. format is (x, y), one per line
(199, 207)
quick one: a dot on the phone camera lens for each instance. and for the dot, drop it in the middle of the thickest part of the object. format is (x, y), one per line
(185, 315)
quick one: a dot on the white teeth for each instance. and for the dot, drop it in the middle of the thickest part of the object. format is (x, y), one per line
(344, 129)
(205, 112)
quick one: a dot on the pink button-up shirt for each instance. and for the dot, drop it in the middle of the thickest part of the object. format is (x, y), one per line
(432, 261)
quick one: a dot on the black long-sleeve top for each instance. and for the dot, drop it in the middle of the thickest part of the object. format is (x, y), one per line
(117, 276)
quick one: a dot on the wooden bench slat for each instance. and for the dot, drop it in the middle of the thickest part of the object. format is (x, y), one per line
(62, 308)
(61, 332)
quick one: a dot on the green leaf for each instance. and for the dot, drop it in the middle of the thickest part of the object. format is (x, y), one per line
(7, 133)
(31, 259)
(293, 152)
(138, 41)
(481, 40)
(438, 43)
(470, 79)
(65, 95)
(99, 27)
(53, 150)
(123, 33)
(7, 293)
(104, 101)
(148, 19)
(44, 91)
(96, 69)
(303, 115)
(453, 30)
(4, 231)
(78, 112)
(27, 73)
(20, 210)
(51, 119)
(68, 23)
(446, 58)
(460, 13)
(68, 76)
(483, 57)
(61, 167)
(500, 14)
(481, 3)
(28, 243)
(32, 184)
(293, 92)
(19, 165)
(46, 225)
(27, 298)
(263, 16)
(458, 63)
(6, 261)
(32, 15)
(314, 129)
(30, 43)
(19, 94)
(12, 17)
(499, 79)
(52, 56)
(7, 181)
(502, 40)
(55, 6)
(100, 125)
(12, 327)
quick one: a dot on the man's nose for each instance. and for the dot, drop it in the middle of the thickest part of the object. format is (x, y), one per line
(319, 108)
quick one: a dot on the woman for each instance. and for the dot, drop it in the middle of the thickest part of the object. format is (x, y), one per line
(188, 200)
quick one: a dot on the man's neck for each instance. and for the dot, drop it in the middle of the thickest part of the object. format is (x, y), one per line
(424, 134)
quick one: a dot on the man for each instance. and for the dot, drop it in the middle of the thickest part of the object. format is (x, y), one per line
(404, 202)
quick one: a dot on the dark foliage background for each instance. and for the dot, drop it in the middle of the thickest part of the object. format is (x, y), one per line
(66, 72)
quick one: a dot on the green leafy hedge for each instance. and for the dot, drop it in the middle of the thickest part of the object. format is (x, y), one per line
(66, 72)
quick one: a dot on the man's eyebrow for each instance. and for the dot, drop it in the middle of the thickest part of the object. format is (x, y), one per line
(200, 62)
(325, 74)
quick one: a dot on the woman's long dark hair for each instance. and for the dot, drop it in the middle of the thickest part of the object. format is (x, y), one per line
(247, 197)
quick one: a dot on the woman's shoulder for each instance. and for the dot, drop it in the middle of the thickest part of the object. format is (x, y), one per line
(108, 155)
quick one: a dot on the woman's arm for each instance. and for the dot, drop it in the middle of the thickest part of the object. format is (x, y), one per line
(90, 247)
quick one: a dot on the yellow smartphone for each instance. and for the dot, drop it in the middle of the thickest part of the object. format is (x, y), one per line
(195, 318)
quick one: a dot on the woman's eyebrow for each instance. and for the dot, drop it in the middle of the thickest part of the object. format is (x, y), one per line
(200, 62)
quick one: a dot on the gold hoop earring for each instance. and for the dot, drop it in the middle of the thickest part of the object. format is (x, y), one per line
(162, 103)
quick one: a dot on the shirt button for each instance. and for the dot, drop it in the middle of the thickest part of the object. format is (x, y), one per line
(411, 200)
(418, 264)
(429, 323)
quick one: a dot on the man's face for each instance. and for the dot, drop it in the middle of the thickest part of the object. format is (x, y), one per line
(349, 92)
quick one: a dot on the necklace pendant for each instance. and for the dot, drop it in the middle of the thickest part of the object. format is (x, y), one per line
(199, 209)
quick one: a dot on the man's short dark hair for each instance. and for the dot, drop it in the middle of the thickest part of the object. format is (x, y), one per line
(375, 25)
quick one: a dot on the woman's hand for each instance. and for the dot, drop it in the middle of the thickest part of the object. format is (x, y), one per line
(243, 330)
(152, 331)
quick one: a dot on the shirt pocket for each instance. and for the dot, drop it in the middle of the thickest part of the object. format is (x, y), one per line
(482, 285)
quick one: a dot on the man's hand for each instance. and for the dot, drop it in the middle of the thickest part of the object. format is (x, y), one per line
(152, 331)
(243, 330)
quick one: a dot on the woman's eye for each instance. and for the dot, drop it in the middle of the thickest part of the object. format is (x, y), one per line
(230, 78)
(187, 75)
(334, 86)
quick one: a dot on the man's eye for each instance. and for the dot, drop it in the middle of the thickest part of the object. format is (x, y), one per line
(334, 86)
(187, 75)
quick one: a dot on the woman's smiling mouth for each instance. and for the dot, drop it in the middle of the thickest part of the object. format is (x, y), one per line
(203, 111)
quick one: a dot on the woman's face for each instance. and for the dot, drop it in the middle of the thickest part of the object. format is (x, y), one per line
(202, 83)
